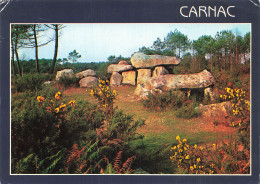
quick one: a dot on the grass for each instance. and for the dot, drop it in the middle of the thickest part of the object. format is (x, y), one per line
(160, 129)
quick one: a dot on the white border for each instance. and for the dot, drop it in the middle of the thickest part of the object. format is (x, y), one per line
(138, 174)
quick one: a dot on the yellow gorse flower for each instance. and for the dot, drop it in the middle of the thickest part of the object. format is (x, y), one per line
(57, 110)
(71, 102)
(178, 138)
(62, 106)
(58, 95)
(40, 99)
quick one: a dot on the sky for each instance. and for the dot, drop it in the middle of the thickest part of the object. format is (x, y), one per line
(96, 42)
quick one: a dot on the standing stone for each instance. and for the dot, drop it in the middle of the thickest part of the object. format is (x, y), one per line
(88, 82)
(86, 73)
(65, 73)
(140, 91)
(116, 79)
(143, 74)
(208, 92)
(160, 70)
(140, 60)
(129, 77)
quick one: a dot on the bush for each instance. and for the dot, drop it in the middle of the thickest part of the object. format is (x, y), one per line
(68, 81)
(160, 101)
(45, 125)
(29, 82)
(52, 135)
(212, 159)
(188, 111)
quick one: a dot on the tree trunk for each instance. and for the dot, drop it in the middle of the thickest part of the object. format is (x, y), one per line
(56, 49)
(231, 62)
(199, 63)
(211, 63)
(17, 59)
(236, 53)
(36, 49)
(13, 66)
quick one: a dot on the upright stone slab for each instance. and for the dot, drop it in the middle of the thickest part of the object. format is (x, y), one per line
(140, 60)
(64, 73)
(140, 91)
(116, 79)
(160, 70)
(129, 77)
(208, 92)
(143, 74)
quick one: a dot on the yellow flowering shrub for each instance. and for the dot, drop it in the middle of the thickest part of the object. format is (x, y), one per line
(210, 159)
(190, 159)
(55, 105)
(241, 111)
(105, 96)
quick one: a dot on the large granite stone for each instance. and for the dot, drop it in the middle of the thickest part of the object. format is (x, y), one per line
(65, 73)
(140, 60)
(129, 77)
(88, 82)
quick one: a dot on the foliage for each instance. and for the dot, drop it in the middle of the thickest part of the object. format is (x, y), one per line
(105, 96)
(241, 110)
(30, 82)
(228, 158)
(117, 167)
(66, 81)
(176, 100)
(176, 40)
(114, 60)
(188, 111)
(213, 159)
(150, 51)
(190, 159)
(66, 136)
(160, 101)
(73, 56)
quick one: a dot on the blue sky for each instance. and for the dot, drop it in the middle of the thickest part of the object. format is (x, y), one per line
(96, 42)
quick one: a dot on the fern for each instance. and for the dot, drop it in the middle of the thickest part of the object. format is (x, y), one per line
(116, 167)
(117, 161)
(127, 165)
(52, 162)
(26, 165)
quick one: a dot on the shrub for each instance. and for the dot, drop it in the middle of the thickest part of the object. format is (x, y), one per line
(29, 82)
(52, 135)
(188, 111)
(241, 111)
(105, 96)
(213, 159)
(66, 81)
(160, 101)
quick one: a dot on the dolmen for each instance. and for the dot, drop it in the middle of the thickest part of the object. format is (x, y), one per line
(152, 73)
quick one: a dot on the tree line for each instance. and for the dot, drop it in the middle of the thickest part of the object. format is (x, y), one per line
(224, 48)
